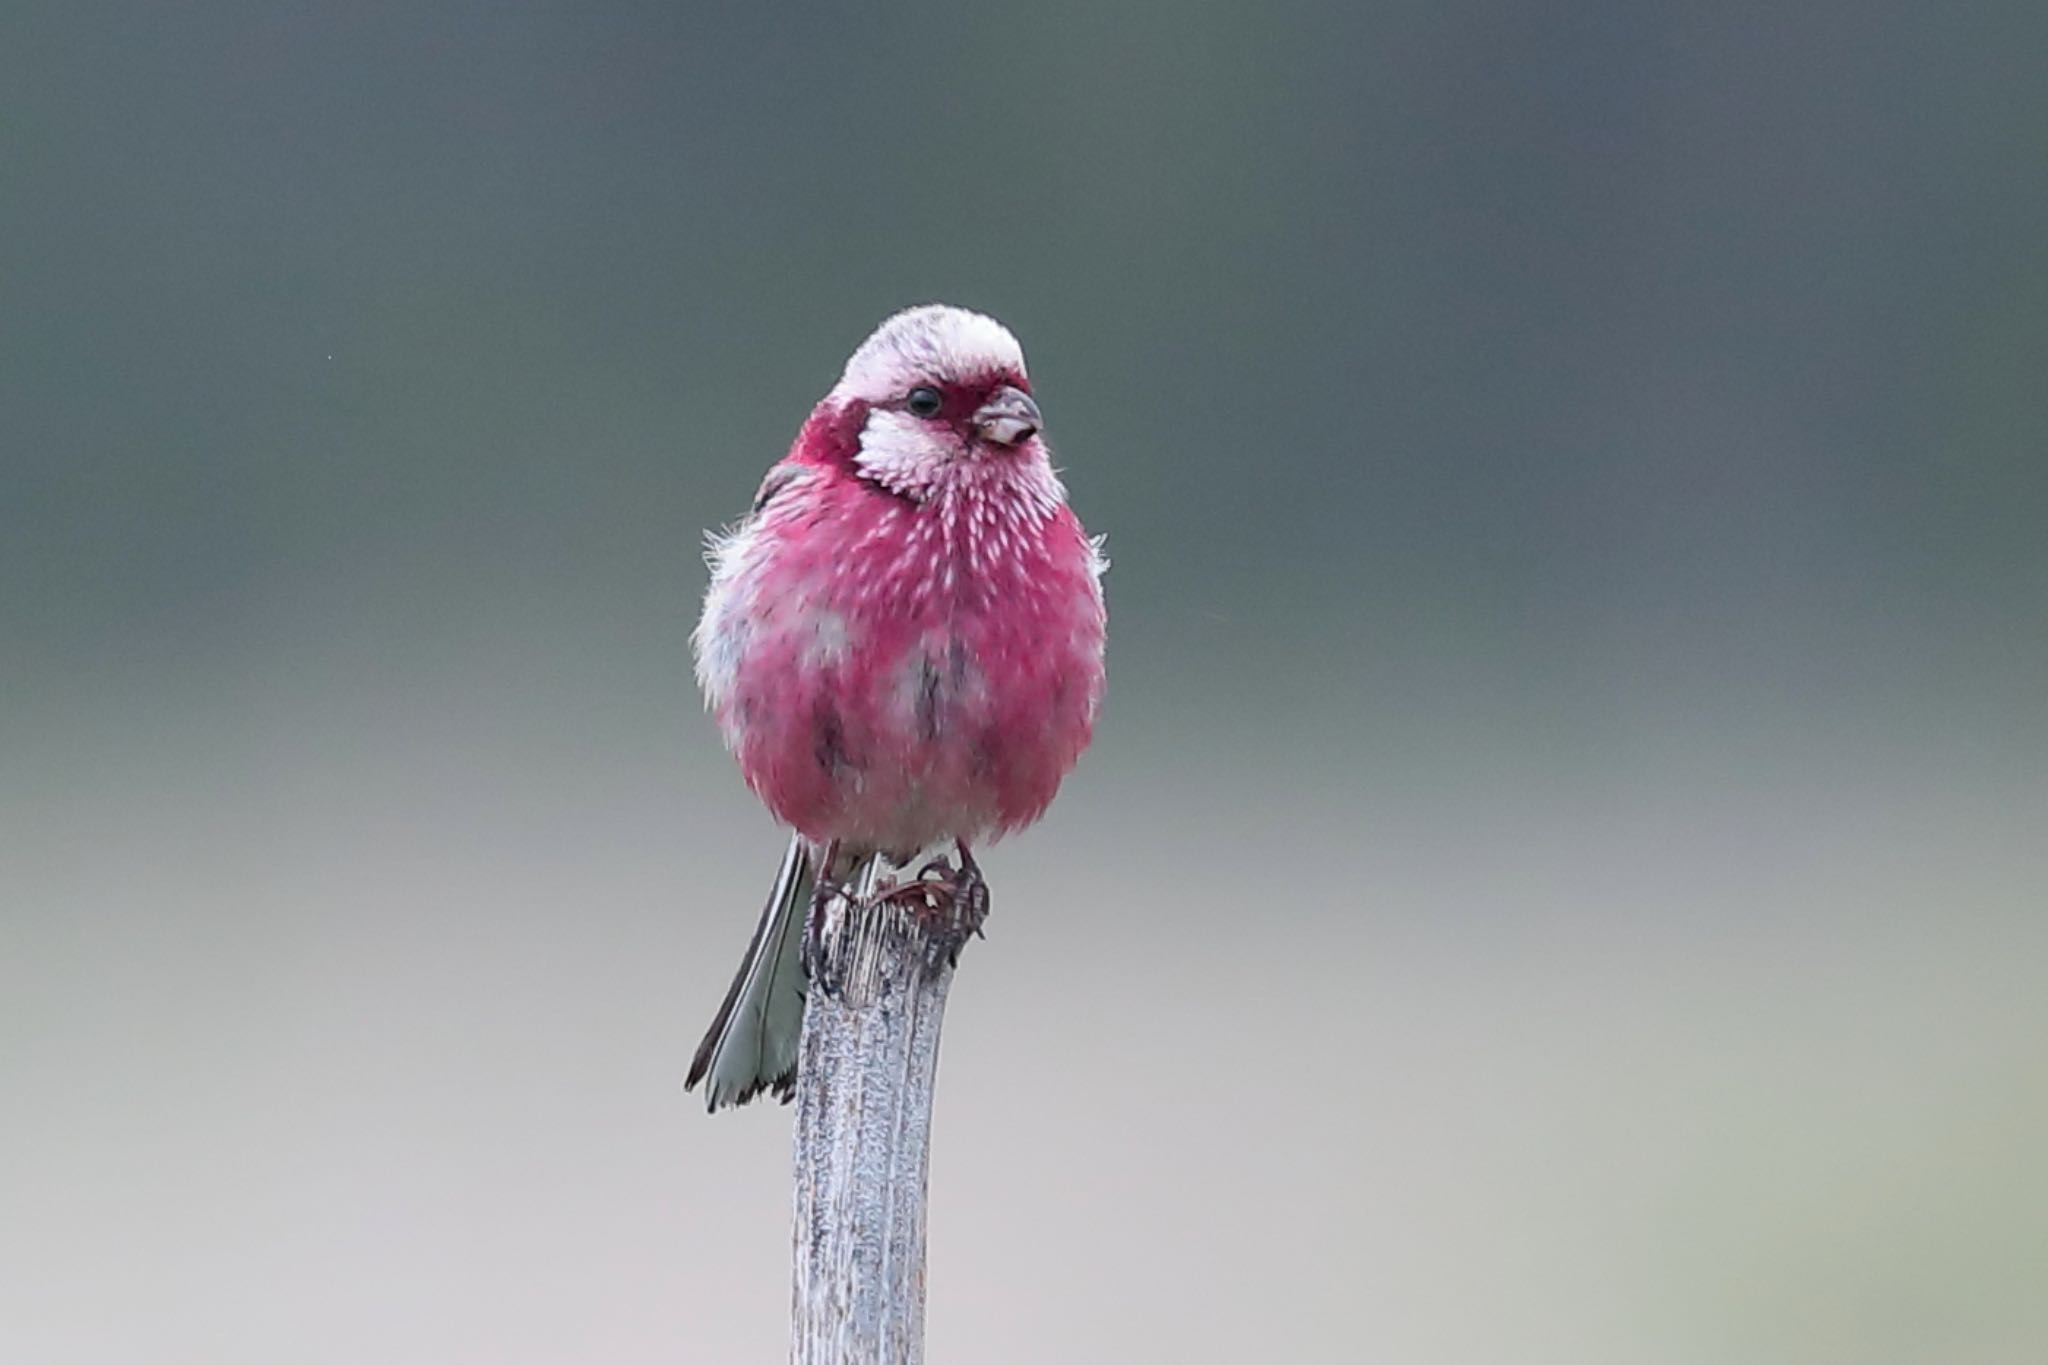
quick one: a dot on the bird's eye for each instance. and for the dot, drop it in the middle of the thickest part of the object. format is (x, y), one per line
(925, 401)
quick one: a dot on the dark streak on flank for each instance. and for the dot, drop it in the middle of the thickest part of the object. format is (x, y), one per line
(928, 698)
(828, 744)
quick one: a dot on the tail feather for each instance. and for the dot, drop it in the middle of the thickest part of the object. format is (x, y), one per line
(752, 1043)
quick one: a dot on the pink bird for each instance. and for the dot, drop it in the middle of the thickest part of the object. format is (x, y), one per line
(902, 643)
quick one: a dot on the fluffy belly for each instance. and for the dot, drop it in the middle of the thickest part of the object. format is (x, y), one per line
(906, 738)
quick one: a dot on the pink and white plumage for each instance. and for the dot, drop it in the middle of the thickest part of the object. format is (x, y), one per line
(902, 642)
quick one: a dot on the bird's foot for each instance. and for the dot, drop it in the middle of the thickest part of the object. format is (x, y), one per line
(949, 903)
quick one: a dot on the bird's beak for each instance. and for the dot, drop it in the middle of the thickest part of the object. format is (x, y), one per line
(1008, 418)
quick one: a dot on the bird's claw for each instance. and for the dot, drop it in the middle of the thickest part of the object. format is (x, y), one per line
(950, 903)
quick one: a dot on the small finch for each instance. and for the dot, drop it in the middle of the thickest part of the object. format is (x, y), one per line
(902, 643)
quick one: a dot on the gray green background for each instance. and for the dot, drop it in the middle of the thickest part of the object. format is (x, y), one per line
(1561, 877)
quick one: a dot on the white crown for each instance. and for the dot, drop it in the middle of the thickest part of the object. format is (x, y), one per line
(931, 343)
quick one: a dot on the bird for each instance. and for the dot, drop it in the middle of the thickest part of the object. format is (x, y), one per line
(901, 644)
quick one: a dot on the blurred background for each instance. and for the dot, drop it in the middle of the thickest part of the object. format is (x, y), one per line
(1562, 873)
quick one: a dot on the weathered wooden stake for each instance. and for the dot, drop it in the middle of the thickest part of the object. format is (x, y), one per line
(865, 1073)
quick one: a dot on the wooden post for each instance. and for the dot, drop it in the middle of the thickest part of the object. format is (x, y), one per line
(865, 1072)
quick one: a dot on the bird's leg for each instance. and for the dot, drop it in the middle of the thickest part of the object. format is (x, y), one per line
(951, 903)
(970, 892)
(823, 888)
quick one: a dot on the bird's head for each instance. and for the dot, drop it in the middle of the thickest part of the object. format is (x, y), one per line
(940, 390)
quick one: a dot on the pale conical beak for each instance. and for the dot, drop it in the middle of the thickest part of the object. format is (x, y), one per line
(1008, 417)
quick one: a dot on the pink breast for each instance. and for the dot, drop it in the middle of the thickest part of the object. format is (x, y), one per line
(879, 701)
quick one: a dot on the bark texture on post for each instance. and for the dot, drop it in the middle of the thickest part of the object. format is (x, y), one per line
(865, 1073)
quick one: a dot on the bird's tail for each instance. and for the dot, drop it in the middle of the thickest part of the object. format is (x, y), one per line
(752, 1043)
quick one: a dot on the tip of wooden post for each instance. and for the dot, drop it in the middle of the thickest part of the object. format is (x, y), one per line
(853, 938)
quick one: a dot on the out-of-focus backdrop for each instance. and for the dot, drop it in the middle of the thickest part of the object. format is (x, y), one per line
(1562, 876)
